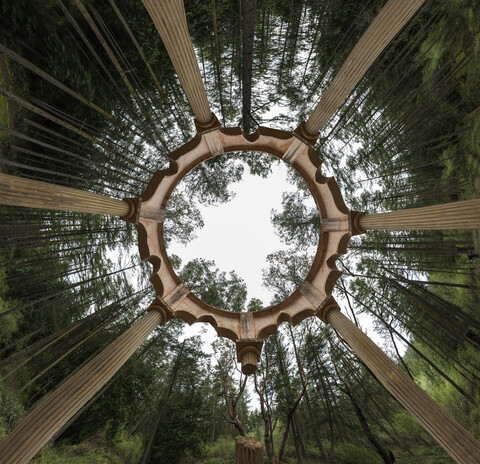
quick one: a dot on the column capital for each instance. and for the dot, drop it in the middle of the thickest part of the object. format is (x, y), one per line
(157, 305)
(132, 215)
(307, 137)
(207, 126)
(356, 229)
(327, 306)
(248, 353)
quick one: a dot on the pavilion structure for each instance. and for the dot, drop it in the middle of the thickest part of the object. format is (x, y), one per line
(248, 330)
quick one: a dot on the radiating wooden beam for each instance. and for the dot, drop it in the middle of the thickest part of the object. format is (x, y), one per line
(171, 23)
(456, 215)
(449, 434)
(391, 19)
(19, 191)
(54, 411)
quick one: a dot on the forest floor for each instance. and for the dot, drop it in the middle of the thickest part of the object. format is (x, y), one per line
(92, 451)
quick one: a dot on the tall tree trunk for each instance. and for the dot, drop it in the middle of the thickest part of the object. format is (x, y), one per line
(289, 421)
(268, 435)
(249, 9)
(385, 454)
(217, 59)
(311, 415)
(173, 377)
(328, 408)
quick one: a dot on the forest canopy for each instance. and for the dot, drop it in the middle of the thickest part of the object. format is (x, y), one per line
(89, 99)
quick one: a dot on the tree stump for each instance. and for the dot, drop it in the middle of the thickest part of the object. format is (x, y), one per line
(248, 450)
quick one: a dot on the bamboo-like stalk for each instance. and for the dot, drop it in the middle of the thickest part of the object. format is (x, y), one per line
(449, 434)
(391, 19)
(455, 215)
(19, 191)
(170, 20)
(54, 411)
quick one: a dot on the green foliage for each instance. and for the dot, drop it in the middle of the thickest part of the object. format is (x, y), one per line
(255, 304)
(348, 453)
(259, 164)
(411, 127)
(78, 454)
(209, 181)
(286, 272)
(297, 224)
(4, 116)
(222, 450)
(11, 410)
(214, 461)
(181, 420)
(214, 287)
(10, 322)
(412, 433)
(182, 220)
(128, 449)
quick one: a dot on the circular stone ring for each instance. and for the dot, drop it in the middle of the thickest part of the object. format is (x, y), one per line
(247, 329)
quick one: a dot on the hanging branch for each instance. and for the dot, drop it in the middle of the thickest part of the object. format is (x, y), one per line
(268, 435)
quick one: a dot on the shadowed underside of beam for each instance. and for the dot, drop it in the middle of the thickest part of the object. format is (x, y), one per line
(391, 19)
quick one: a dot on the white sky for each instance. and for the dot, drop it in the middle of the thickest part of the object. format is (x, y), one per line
(238, 235)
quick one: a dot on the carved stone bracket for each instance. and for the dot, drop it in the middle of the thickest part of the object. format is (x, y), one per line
(248, 330)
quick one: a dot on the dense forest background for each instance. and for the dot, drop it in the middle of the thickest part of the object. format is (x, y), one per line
(89, 99)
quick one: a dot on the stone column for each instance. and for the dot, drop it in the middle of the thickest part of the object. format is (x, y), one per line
(171, 23)
(19, 191)
(456, 215)
(391, 19)
(54, 410)
(453, 438)
(248, 450)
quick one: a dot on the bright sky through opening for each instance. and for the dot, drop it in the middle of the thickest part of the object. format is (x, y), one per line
(239, 235)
